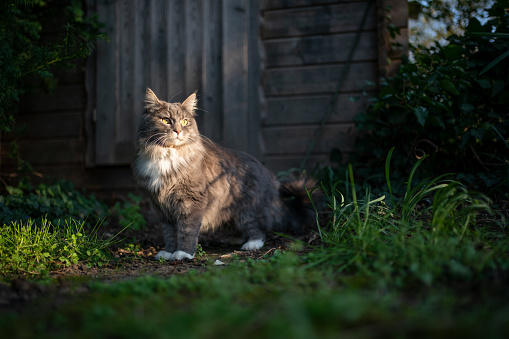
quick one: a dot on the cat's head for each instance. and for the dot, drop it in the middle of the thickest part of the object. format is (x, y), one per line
(169, 125)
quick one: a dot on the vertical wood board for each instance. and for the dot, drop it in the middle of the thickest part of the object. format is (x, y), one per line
(211, 97)
(234, 74)
(106, 111)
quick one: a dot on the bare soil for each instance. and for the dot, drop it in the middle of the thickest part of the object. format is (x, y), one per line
(128, 263)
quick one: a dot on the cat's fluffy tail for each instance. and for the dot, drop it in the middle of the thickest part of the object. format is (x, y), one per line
(299, 213)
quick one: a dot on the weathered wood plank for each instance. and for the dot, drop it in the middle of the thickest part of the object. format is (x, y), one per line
(255, 94)
(279, 163)
(90, 91)
(235, 74)
(62, 98)
(158, 51)
(51, 125)
(319, 49)
(50, 152)
(124, 121)
(285, 4)
(342, 18)
(398, 12)
(294, 140)
(107, 92)
(175, 76)
(397, 52)
(193, 46)
(318, 79)
(211, 99)
(310, 110)
(141, 59)
(194, 51)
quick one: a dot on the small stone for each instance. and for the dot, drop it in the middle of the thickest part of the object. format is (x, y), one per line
(218, 263)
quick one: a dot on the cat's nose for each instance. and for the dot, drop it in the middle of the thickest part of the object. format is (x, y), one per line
(177, 131)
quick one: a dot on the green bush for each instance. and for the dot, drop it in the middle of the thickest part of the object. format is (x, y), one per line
(23, 54)
(451, 104)
(56, 202)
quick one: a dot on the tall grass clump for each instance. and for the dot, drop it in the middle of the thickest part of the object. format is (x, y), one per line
(427, 235)
(30, 249)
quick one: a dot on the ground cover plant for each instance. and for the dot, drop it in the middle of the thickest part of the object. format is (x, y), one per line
(55, 202)
(377, 266)
(30, 249)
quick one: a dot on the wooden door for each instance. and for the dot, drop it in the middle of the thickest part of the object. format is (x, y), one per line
(175, 47)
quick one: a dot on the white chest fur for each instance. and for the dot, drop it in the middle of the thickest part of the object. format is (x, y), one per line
(154, 166)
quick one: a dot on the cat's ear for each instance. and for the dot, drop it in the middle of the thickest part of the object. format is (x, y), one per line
(151, 99)
(190, 103)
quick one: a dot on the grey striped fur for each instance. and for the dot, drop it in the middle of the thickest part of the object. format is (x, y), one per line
(196, 185)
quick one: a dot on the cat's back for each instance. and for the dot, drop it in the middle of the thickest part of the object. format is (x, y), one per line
(236, 163)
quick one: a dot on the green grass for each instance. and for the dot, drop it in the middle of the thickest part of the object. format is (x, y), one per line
(29, 249)
(417, 266)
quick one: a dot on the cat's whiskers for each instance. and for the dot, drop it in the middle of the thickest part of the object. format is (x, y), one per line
(204, 138)
(153, 135)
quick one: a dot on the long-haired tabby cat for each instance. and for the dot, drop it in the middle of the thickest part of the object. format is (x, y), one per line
(196, 185)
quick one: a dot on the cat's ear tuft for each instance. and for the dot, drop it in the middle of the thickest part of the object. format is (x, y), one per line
(190, 103)
(151, 99)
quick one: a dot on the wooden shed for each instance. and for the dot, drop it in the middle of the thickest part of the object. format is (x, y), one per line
(265, 72)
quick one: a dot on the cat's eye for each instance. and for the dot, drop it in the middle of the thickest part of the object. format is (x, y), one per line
(165, 120)
(184, 122)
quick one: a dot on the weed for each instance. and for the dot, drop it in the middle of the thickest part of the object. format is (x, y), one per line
(36, 249)
(200, 253)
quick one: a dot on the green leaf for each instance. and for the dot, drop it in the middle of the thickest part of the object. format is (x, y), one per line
(448, 86)
(421, 113)
(498, 86)
(485, 83)
(15, 191)
(452, 52)
(466, 108)
(474, 25)
(494, 62)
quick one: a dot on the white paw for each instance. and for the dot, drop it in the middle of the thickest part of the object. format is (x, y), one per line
(165, 255)
(252, 245)
(179, 255)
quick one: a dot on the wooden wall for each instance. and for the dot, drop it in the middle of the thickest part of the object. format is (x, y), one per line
(307, 43)
(176, 47)
(270, 107)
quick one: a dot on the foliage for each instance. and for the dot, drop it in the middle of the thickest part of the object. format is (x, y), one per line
(382, 271)
(129, 212)
(23, 54)
(27, 248)
(428, 236)
(435, 20)
(444, 105)
(56, 202)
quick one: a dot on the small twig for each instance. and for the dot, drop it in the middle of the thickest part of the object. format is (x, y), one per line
(483, 164)
(426, 141)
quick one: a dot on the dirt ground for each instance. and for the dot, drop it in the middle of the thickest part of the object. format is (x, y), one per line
(128, 263)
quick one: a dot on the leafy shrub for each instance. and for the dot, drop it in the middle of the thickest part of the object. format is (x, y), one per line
(23, 54)
(56, 202)
(451, 104)
(129, 212)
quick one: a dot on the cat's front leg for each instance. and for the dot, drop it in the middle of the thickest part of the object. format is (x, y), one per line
(170, 242)
(187, 237)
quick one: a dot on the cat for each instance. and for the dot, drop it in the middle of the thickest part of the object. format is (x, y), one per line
(196, 185)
